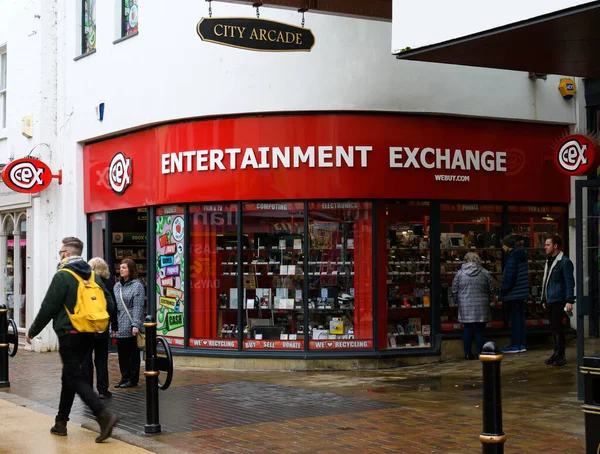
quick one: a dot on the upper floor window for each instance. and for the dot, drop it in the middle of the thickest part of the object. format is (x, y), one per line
(88, 37)
(2, 87)
(129, 17)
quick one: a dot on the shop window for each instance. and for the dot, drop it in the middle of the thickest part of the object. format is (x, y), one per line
(88, 29)
(340, 265)
(98, 229)
(9, 270)
(532, 224)
(129, 17)
(469, 227)
(214, 299)
(408, 283)
(21, 249)
(170, 272)
(273, 275)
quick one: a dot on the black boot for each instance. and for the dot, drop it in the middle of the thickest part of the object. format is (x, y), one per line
(107, 421)
(59, 428)
(550, 361)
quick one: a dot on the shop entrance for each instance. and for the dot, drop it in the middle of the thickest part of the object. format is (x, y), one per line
(587, 265)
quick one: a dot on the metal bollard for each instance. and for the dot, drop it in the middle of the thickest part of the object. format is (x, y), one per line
(591, 406)
(4, 383)
(152, 421)
(492, 438)
(154, 365)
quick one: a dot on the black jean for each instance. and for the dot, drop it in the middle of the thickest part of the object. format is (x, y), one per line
(129, 359)
(470, 329)
(73, 348)
(100, 350)
(556, 313)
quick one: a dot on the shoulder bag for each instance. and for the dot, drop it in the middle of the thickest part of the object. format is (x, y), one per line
(140, 337)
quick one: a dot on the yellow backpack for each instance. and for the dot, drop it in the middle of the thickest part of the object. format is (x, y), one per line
(90, 314)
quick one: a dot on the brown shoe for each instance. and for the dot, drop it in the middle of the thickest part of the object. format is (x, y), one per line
(107, 421)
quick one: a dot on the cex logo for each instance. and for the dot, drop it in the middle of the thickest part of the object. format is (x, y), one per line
(119, 173)
(575, 155)
(27, 175)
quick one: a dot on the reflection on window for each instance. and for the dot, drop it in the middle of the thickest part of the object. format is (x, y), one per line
(408, 275)
(129, 17)
(469, 227)
(532, 224)
(273, 275)
(213, 272)
(89, 26)
(340, 303)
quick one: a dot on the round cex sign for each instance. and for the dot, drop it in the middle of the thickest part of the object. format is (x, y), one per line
(27, 175)
(575, 155)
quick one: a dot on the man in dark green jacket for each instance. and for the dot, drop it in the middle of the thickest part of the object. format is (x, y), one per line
(72, 345)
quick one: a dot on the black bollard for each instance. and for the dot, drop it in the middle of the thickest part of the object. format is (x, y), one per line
(4, 383)
(492, 438)
(152, 418)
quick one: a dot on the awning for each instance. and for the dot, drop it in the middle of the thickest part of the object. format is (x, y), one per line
(565, 42)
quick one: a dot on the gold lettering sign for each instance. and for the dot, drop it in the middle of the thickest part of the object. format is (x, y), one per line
(255, 34)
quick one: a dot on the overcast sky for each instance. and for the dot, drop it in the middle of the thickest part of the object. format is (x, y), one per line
(422, 22)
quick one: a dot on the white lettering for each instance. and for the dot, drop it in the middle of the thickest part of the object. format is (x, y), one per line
(249, 159)
(216, 159)
(165, 164)
(348, 157)
(325, 152)
(283, 157)
(501, 161)
(308, 156)
(396, 157)
(424, 153)
(176, 162)
(264, 164)
(473, 159)
(487, 161)
(201, 158)
(363, 154)
(232, 152)
(189, 162)
(411, 157)
(445, 157)
(458, 161)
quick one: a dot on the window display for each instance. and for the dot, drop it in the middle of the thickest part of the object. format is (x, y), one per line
(213, 272)
(408, 283)
(170, 273)
(340, 295)
(273, 275)
(469, 227)
(532, 224)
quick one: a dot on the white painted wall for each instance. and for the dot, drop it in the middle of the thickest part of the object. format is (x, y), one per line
(167, 72)
(426, 22)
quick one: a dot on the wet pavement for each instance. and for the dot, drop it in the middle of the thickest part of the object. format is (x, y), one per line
(429, 408)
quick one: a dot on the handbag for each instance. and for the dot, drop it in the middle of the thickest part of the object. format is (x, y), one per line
(140, 337)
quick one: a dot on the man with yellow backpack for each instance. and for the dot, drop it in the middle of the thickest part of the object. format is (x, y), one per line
(79, 305)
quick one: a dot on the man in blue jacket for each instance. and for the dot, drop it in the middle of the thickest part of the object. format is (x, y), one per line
(558, 295)
(514, 292)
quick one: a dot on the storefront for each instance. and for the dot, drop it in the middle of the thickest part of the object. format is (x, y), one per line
(305, 235)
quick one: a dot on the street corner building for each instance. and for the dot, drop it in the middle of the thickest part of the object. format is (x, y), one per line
(282, 200)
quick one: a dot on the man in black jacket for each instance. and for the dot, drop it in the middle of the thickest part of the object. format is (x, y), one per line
(72, 345)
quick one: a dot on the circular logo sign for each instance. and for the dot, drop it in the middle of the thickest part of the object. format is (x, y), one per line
(27, 175)
(119, 173)
(178, 228)
(133, 16)
(575, 155)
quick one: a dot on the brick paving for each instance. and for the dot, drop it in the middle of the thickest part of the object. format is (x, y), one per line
(431, 408)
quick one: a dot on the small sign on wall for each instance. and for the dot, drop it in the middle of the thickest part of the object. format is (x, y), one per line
(255, 34)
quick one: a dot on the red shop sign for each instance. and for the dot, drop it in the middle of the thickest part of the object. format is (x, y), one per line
(575, 154)
(214, 343)
(28, 175)
(324, 157)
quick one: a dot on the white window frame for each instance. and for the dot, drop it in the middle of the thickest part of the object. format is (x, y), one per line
(3, 74)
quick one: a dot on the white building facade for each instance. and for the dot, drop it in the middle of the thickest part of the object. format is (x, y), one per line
(160, 71)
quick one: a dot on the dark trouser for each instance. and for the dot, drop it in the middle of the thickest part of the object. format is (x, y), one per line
(100, 349)
(129, 359)
(556, 312)
(73, 348)
(517, 322)
(470, 329)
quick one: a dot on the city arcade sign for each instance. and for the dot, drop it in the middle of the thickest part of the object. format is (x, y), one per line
(255, 34)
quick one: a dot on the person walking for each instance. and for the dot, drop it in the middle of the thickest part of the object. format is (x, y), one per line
(129, 293)
(101, 340)
(473, 290)
(62, 296)
(558, 294)
(514, 292)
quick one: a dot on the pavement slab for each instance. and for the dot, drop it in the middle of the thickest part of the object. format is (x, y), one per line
(420, 409)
